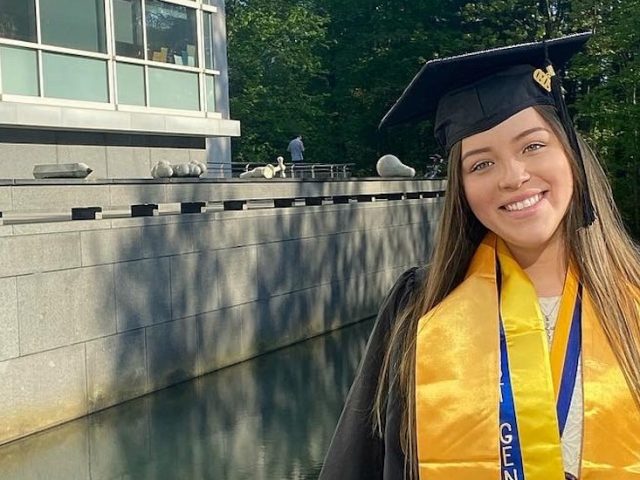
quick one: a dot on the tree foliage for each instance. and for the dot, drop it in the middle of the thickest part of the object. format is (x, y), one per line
(330, 69)
(277, 73)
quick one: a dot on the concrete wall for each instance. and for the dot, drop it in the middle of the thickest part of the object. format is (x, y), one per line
(107, 161)
(48, 195)
(98, 312)
(109, 155)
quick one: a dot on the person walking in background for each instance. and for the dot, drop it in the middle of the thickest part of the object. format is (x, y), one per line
(296, 149)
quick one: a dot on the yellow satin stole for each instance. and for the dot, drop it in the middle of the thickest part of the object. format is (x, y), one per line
(457, 388)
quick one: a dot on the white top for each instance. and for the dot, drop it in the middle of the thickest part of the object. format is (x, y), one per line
(572, 437)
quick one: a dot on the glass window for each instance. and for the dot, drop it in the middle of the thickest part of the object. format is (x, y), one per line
(130, 84)
(19, 68)
(208, 40)
(75, 78)
(173, 89)
(127, 17)
(210, 89)
(171, 33)
(74, 24)
(18, 20)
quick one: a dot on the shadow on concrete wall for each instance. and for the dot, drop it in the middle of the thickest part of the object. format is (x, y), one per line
(277, 284)
(256, 285)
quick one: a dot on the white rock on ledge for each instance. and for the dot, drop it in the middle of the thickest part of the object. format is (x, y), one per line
(391, 166)
(61, 170)
(164, 169)
(268, 171)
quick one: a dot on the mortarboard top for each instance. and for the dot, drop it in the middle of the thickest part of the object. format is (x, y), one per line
(463, 73)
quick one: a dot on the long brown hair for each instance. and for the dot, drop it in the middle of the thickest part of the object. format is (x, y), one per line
(607, 260)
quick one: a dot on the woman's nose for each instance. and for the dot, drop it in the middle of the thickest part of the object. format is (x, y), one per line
(513, 175)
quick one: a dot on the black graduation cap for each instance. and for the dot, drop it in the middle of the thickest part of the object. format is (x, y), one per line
(474, 92)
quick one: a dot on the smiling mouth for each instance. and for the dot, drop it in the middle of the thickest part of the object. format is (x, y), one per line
(526, 203)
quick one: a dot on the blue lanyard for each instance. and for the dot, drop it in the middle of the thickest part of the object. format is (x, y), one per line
(571, 361)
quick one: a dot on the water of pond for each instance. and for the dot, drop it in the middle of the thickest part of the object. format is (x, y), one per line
(270, 418)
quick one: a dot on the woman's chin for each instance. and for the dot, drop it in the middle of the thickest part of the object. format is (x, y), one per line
(528, 240)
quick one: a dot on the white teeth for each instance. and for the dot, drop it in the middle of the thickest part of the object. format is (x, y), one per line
(529, 202)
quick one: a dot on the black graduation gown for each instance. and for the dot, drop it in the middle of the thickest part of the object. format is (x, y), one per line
(356, 452)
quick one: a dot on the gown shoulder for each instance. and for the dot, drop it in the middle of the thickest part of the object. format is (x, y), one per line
(356, 451)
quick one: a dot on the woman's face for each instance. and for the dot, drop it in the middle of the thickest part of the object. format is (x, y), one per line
(517, 179)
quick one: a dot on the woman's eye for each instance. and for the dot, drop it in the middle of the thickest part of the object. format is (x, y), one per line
(533, 146)
(481, 165)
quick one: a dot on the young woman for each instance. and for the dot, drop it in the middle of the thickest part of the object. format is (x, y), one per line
(516, 354)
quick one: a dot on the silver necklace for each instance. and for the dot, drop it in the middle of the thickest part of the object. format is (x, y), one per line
(549, 314)
(552, 311)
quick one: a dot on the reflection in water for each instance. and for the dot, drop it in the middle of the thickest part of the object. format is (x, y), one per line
(268, 418)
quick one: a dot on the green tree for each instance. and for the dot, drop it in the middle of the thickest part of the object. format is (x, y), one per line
(277, 79)
(379, 46)
(607, 108)
(502, 22)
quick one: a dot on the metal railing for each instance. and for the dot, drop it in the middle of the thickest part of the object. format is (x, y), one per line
(294, 169)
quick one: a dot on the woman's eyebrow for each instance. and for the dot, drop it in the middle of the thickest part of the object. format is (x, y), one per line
(528, 132)
(474, 152)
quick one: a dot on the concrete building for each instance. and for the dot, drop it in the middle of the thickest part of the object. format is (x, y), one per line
(116, 84)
